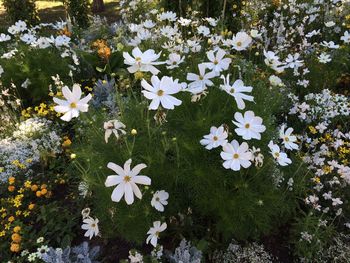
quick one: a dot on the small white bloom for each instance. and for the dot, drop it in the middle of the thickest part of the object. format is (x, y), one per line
(217, 61)
(159, 200)
(217, 137)
(174, 60)
(324, 58)
(288, 139)
(91, 227)
(279, 156)
(249, 125)
(73, 104)
(126, 181)
(113, 126)
(237, 90)
(235, 155)
(346, 37)
(241, 41)
(201, 81)
(161, 91)
(142, 61)
(153, 232)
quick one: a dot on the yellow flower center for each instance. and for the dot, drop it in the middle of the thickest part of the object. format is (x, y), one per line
(127, 178)
(201, 77)
(286, 139)
(277, 155)
(247, 126)
(216, 62)
(239, 43)
(215, 138)
(138, 59)
(235, 156)
(160, 92)
(232, 90)
(73, 105)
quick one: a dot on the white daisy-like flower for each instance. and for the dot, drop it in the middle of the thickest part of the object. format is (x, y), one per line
(279, 156)
(142, 61)
(249, 125)
(161, 91)
(324, 58)
(217, 137)
(159, 200)
(288, 139)
(236, 155)
(113, 126)
(237, 90)
(73, 103)
(241, 41)
(126, 181)
(91, 227)
(174, 61)
(154, 232)
(200, 82)
(217, 61)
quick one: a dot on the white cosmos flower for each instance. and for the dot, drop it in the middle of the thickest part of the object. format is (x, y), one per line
(235, 155)
(237, 90)
(4, 37)
(126, 180)
(201, 81)
(279, 156)
(142, 61)
(113, 126)
(174, 60)
(153, 232)
(160, 92)
(346, 37)
(217, 137)
(241, 41)
(217, 61)
(73, 104)
(324, 58)
(159, 200)
(288, 139)
(91, 227)
(249, 126)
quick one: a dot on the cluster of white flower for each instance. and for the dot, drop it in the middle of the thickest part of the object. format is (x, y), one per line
(320, 106)
(31, 139)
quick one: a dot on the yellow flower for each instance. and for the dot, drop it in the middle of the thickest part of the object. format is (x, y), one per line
(312, 129)
(2, 233)
(11, 219)
(18, 212)
(26, 213)
(133, 132)
(31, 206)
(16, 229)
(27, 184)
(66, 143)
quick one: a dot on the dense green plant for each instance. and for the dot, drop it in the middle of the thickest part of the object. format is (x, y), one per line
(241, 204)
(21, 10)
(37, 66)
